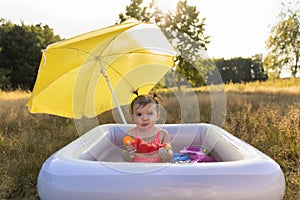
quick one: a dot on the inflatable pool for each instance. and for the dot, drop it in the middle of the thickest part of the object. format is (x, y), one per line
(91, 167)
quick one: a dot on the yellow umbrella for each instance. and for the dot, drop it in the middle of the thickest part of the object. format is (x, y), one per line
(97, 71)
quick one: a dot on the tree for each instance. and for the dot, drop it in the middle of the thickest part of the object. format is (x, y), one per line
(136, 11)
(272, 66)
(257, 69)
(20, 52)
(239, 70)
(184, 30)
(4, 78)
(284, 41)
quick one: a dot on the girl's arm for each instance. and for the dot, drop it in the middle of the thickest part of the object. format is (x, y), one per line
(166, 153)
(128, 151)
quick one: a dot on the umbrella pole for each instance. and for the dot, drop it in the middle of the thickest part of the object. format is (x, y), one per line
(114, 96)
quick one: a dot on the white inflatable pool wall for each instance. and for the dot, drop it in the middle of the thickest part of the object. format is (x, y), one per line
(91, 167)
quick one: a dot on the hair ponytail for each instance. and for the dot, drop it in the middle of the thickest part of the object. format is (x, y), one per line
(136, 92)
(156, 96)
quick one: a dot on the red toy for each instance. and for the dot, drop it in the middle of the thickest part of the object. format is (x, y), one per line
(143, 147)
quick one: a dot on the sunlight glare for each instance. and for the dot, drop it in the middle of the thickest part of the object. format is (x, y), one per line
(166, 5)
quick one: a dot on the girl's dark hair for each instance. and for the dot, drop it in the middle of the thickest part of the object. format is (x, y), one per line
(143, 100)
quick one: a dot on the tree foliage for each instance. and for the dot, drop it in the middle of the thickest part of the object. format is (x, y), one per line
(20, 52)
(187, 34)
(238, 70)
(136, 11)
(21, 45)
(185, 30)
(284, 41)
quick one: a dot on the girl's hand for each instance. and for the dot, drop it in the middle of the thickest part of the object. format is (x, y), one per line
(128, 153)
(165, 154)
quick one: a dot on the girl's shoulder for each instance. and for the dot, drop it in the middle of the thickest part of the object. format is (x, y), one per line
(165, 137)
(163, 131)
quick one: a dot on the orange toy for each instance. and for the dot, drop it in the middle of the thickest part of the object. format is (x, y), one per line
(128, 140)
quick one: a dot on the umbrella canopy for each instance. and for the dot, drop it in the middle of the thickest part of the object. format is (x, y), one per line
(97, 71)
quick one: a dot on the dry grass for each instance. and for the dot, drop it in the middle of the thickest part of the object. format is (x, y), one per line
(271, 123)
(16, 95)
(26, 140)
(269, 120)
(283, 86)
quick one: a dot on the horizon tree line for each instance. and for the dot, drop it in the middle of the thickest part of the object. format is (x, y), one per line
(21, 45)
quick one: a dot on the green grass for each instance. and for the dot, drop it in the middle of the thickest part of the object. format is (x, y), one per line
(266, 117)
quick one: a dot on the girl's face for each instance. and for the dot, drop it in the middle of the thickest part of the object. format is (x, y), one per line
(145, 117)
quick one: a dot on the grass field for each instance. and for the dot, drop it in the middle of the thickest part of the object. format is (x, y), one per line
(266, 115)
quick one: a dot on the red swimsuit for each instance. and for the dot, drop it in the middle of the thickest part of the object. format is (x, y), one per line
(142, 154)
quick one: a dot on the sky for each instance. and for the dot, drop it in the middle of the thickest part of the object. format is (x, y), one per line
(238, 28)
